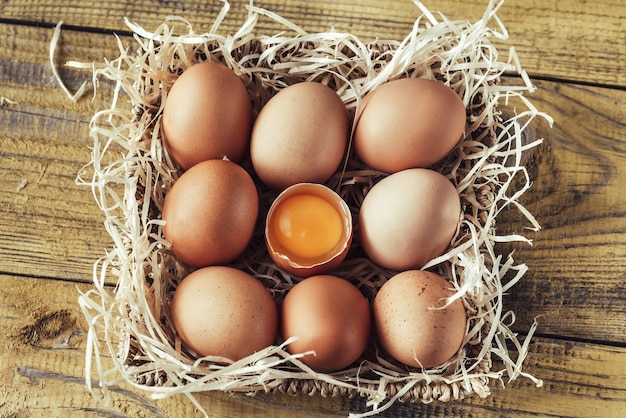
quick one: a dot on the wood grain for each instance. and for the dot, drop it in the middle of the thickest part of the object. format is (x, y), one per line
(51, 230)
(42, 364)
(547, 35)
(50, 227)
(577, 259)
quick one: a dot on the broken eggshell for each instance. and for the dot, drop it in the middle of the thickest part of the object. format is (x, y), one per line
(306, 263)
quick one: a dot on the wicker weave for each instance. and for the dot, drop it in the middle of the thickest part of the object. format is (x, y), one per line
(137, 314)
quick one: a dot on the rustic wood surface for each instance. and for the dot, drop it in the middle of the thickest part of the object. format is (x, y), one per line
(51, 230)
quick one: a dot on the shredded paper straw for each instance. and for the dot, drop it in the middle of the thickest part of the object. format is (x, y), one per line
(131, 172)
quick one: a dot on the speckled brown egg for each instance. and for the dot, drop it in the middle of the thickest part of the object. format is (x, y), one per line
(222, 311)
(408, 123)
(210, 213)
(207, 114)
(299, 136)
(331, 317)
(409, 218)
(413, 323)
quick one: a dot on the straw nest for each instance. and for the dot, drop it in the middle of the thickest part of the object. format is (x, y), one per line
(130, 174)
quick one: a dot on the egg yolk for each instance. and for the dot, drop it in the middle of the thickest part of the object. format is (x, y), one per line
(307, 226)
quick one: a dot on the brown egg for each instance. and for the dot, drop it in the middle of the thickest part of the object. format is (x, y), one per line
(409, 218)
(331, 317)
(207, 115)
(300, 136)
(408, 123)
(308, 230)
(210, 213)
(222, 311)
(408, 327)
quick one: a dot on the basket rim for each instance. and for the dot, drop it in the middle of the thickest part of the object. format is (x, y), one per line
(147, 159)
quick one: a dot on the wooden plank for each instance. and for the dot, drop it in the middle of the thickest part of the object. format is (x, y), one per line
(577, 263)
(576, 280)
(50, 226)
(42, 373)
(42, 364)
(568, 39)
(29, 85)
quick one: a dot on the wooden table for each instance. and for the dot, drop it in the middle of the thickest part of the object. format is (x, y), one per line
(51, 230)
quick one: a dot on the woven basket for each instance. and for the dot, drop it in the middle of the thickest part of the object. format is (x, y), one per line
(132, 321)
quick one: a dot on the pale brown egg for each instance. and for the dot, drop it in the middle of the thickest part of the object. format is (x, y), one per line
(411, 322)
(207, 115)
(210, 213)
(408, 218)
(300, 136)
(331, 317)
(223, 311)
(308, 230)
(408, 123)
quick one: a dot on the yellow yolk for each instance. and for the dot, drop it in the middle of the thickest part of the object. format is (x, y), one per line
(307, 226)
